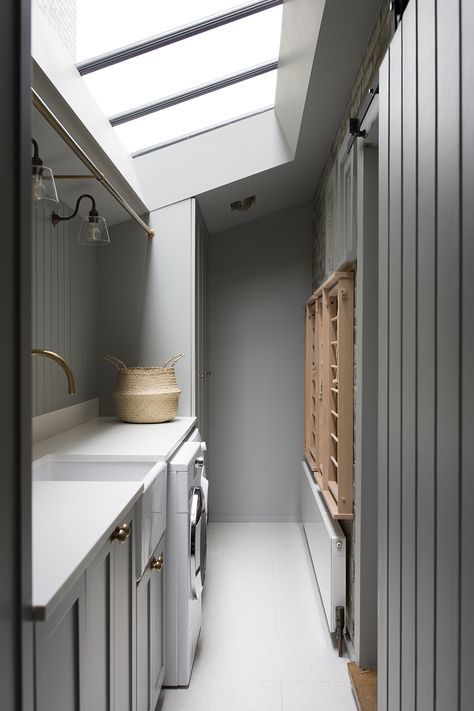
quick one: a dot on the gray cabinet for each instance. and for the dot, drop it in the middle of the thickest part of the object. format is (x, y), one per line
(150, 631)
(341, 211)
(202, 372)
(59, 655)
(85, 650)
(110, 625)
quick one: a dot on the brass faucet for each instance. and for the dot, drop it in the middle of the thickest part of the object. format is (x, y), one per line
(65, 366)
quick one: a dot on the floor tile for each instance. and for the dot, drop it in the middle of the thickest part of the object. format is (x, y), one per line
(240, 659)
(306, 660)
(224, 696)
(302, 621)
(311, 696)
(239, 620)
(264, 643)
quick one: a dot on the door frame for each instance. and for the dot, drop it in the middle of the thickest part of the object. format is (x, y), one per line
(16, 626)
(366, 414)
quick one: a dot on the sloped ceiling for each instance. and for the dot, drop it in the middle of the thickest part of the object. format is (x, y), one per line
(344, 34)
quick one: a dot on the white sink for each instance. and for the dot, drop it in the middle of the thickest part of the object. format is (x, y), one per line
(58, 469)
(151, 508)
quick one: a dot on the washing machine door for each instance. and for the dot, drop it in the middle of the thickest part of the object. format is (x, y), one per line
(198, 541)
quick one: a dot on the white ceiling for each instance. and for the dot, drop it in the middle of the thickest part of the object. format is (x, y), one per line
(344, 34)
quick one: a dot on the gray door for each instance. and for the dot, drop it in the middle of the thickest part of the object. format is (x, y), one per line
(426, 352)
(202, 372)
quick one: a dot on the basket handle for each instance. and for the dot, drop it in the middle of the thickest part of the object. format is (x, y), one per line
(119, 364)
(172, 361)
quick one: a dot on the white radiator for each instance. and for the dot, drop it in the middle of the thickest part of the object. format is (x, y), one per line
(327, 546)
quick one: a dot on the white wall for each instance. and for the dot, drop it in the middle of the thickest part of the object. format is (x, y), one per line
(259, 277)
(147, 292)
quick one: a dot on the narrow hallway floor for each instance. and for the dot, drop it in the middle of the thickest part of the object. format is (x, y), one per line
(264, 644)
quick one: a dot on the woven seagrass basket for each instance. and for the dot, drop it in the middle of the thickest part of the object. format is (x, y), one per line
(146, 395)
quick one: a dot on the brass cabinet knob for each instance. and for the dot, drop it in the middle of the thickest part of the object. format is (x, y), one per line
(157, 563)
(121, 533)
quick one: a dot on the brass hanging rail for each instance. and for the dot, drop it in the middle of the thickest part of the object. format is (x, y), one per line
(54, 122)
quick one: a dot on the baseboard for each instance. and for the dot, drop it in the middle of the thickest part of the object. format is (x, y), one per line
(364, 686)
(253, 518)
(53, 423)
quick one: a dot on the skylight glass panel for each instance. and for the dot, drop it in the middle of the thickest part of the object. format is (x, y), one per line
(184, 65)
(197, 115)
(123, 22)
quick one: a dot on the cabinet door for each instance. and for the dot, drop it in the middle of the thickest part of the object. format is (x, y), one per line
(100, 631)
(346, 243)
(59, 655)
(110, 627)
(202, 372)
(124, 602)
(150, 632)
(157, 598)
(331, 221)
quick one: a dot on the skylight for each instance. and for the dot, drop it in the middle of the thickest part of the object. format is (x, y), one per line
(165, 71)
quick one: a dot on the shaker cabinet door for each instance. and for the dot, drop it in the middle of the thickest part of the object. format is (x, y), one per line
(150, 632)
(100, 631)
(124, 593)
(59, 655)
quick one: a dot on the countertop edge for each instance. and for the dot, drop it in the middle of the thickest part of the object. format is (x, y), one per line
(42, 611)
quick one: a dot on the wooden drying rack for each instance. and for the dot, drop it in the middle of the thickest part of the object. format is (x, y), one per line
(330, 390)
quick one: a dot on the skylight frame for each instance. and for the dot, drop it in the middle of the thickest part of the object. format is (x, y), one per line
(181, 33)
(181, 97)
(198, 132)
(156, 42)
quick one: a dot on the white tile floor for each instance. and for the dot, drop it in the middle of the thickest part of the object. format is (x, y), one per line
(264, 643)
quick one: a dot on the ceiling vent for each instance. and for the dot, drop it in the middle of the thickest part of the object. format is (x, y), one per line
(244, 204)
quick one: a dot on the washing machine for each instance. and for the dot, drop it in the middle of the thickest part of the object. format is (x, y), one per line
(186, 545)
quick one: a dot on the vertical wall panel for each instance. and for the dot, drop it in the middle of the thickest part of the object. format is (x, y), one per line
(395, 374)
(426, 371)
(467, 412)
(33, 291)
(430, 627)
(65, 311)
(47, 305)
(384, 201)
(38, 310)
(448, 334)
(409, 362)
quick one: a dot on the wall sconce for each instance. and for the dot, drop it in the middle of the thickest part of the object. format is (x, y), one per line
(93, 229)
(43, 186)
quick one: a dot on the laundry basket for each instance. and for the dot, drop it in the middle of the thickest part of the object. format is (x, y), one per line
(146, 395)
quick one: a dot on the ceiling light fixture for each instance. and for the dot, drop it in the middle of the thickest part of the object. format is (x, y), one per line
(93, 229)
(43, 187)
(244, 204)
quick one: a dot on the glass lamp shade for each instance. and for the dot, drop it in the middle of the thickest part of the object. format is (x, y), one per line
(93, 230)
(43, 187)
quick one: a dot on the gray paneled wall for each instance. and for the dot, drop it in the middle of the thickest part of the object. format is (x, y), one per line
(65, 311)
(426, 352)
(259, 277)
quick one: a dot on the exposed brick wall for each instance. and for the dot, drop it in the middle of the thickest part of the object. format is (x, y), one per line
(375, 51)
(62, 16)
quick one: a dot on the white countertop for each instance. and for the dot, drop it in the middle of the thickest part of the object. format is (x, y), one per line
(71, 522)
(108, 437)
